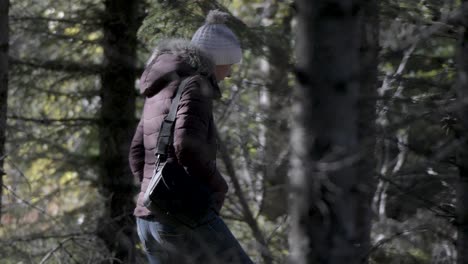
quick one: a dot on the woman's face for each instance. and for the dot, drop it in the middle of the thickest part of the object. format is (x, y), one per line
(222, 71)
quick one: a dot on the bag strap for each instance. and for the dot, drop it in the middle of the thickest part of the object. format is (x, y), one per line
(166, 131)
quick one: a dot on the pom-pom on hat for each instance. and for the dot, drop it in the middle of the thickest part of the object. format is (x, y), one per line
(216, 39)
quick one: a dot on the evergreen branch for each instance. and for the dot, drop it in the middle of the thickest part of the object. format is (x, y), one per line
(460, 16)
(47, 121)
(55, 147)
(66, 66)
(73, 38)
(389, 239)
(429, 204)
(77, 94)
(55, 88)
(57, 65)
(457, 17)
(52, 19)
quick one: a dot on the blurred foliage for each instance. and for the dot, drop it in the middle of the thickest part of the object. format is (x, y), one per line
(51, 203)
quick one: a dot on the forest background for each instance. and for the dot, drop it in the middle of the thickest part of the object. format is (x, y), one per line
(70, 104)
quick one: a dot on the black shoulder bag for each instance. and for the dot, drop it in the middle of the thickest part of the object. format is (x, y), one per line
(171, 190)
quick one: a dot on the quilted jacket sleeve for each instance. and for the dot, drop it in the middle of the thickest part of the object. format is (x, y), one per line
(191, 143)
(137, 153)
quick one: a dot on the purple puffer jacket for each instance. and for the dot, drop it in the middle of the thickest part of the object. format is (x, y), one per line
(194, 145)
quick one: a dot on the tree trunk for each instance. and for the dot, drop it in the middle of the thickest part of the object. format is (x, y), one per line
(4, 7)
(116, 227)
(275, 128)
(324, 180)
(462, 186)
(366, 175)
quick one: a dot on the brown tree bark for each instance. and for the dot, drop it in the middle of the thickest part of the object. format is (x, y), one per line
(4, 39)
(325, 182)
(116, 227)
(462, 186)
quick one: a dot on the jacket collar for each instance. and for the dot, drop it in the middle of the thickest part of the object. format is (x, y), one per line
(173, 59)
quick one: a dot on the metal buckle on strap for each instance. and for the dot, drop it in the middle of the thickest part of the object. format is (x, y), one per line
(160, 159)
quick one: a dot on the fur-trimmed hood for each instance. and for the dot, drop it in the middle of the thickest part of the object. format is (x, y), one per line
(171, 60)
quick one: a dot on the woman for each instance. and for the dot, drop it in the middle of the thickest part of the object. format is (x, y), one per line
(203, 62)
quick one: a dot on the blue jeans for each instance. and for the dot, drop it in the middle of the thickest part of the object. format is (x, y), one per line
(167, 241)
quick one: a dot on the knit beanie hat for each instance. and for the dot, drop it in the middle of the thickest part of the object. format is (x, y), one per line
(216, 39)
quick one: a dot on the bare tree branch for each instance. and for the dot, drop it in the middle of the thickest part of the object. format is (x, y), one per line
(248, 215)
(59, 246)
(42, 211)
